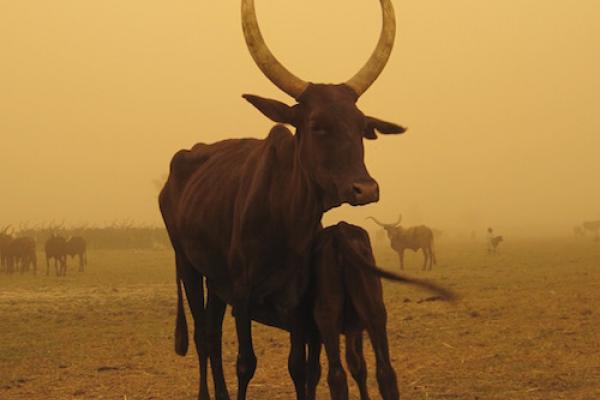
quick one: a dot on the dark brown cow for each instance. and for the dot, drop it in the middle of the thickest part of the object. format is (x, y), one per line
(56, 248)
(413, 238)
(21, 255)
(243, 212)
(76, 246)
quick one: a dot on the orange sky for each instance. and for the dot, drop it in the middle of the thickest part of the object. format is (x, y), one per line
(501, 100)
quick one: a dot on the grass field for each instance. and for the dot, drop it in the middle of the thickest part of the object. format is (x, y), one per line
(527, 327)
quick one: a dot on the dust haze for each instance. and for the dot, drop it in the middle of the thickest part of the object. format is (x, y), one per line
(501, 100)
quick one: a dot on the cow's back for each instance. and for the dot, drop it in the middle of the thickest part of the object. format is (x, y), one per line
(211, 189)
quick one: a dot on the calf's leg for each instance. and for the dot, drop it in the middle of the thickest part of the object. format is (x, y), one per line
(355, 360)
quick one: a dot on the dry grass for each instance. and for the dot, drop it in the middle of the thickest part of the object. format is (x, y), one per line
(526, 327)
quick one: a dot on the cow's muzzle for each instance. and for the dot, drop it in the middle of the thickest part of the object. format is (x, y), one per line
(365, 192)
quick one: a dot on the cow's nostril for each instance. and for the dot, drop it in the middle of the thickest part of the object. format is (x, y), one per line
(357, 190)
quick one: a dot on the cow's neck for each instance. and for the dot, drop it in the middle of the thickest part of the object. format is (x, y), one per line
(302, 209)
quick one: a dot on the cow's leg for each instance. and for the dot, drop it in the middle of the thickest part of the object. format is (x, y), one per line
(215, 313)
(194, 290)
(401, 258)
(355, 360)
(433, 259)
(314, 365)
(297, 360)
(425, 258)
(246, 360)
(80, 255)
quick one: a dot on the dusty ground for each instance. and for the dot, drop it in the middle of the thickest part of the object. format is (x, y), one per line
(527, 327)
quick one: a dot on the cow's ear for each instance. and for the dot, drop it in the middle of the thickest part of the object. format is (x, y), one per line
(386, 128)
(273, 109)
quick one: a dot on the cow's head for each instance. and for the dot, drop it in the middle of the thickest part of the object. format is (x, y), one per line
(329, 126)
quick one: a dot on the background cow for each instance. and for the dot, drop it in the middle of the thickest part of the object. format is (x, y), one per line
(56, 248)
(5, 239)
(413, 238)
(76, 246)
(593, 227)
(21, 255)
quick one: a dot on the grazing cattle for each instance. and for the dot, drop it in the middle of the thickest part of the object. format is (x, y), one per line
(56, 248)
(243, 213)
(593, 227)
(5, 239)
(413, 238)
(494, 242)
(21, 255)
(76, 246)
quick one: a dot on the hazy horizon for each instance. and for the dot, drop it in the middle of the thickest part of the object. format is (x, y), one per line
(501, 101)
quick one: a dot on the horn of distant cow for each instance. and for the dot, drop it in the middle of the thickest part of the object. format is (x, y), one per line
(371, 70)
(377, 222)
(266, 61)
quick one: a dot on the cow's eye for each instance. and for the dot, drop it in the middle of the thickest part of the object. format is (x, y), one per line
(318, 130)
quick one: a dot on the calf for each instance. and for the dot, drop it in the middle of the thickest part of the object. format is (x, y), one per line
(348, 299)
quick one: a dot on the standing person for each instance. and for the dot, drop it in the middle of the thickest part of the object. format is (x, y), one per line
(490, 240)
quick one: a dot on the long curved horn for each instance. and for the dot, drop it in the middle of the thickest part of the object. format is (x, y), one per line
(377, 221)
(371, 70)
(386, 225)
(266, 61)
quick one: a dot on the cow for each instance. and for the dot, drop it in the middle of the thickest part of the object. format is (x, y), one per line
(21, 255)
(578, 231)
(242, 213)
(56, 248)
(76, 246)
(5, 239)
(593, 227)
(413, 238)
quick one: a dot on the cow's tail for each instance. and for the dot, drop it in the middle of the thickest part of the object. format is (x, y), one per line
(181, 332)
(360, 262)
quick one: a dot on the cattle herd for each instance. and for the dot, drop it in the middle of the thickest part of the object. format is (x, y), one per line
(18, 254)
(244, 219)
